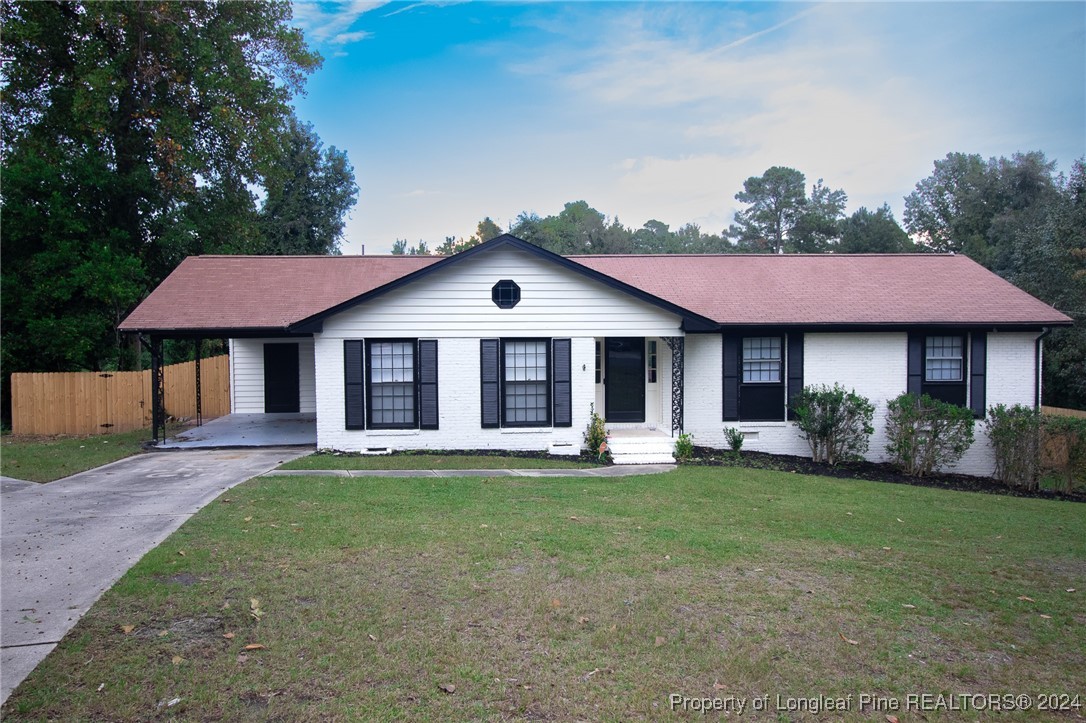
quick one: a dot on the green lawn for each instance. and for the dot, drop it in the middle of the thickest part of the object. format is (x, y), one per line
(323, 460)
(578, 599)
(44, 459)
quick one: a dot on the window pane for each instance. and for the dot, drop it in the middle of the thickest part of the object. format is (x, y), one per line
(943, 362)
(761, 359)
(392, 383)
(526, 382)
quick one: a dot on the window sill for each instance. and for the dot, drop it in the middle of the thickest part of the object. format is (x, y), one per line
(392, 433)
(527, 430)
(762, 425)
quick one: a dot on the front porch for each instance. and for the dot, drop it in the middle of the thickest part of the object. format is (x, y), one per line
(640, 383)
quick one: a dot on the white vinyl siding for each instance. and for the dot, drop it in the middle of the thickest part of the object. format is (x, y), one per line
(247, 375)
(457, 302)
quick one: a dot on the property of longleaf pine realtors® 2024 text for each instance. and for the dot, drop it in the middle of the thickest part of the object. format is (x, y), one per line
(871, 703)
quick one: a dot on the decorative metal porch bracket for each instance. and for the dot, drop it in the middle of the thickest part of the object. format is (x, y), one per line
(677, 346)
(158, 402)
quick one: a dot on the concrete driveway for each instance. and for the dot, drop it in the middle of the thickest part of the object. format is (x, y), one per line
(64, 543)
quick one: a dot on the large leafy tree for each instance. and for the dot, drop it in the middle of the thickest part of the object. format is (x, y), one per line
(967, 203)
(776, 201)
(132, 133)
(867, 232)
(309, 191)
(818, 228)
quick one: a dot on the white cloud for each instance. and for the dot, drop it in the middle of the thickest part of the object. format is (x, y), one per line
(330, 22)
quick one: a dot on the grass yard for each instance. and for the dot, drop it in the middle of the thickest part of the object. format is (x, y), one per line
(324, 460)
(579, 599)
(44, 459)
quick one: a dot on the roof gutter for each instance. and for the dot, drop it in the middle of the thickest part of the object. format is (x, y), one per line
(1037, 344)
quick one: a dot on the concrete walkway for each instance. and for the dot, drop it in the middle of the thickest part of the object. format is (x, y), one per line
(618, 470)
(64, 543)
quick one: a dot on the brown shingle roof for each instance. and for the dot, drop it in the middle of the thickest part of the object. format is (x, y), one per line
(272, 292)
(262, 292)
(831, 288)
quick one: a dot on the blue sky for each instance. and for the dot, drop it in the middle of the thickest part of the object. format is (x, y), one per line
(455, 111)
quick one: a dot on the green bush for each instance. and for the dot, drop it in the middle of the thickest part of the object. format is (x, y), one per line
(595, 437)
(684, 447)
(925, 434)
(734, 438)
(1015, 436)
(1064, 449)
(836, 423)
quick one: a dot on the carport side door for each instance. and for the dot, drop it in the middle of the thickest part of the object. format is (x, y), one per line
(281, 380)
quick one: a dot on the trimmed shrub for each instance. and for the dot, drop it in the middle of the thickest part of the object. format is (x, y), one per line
(595, 437)
(1015, 435)
(734, 438)
(684, 447)
(836, 423)
(925, 434)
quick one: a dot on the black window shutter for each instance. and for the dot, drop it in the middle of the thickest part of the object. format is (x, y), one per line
(563, 383)
(916, 364)
(979, 353)
(731, 377)
(795, 369)
(353, 376)
(489, 370)
(428, 384)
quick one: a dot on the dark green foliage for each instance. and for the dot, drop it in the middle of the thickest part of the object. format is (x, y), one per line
(595, 436)
(925, 435)
(776, 201)
(734, 438)
(684, 447)
(1015, 436)
(133, 134)
(309, 191)
(835, 422)
(865, 232)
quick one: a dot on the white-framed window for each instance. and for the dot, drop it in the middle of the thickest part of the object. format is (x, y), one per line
(650, 361)
(762, 359)
(526, 398)
(391, 388)
(943, 357)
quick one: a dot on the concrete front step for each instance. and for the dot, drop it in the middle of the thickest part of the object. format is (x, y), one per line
(628, 447)
(645, 458)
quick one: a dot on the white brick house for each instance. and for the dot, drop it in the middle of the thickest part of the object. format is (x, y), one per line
(508, 346)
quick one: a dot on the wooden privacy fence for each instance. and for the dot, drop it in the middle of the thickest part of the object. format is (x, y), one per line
(103, 402)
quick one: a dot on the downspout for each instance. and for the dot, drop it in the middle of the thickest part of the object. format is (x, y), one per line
(1037, 367)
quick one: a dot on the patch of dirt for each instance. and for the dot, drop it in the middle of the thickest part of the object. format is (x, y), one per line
(184, 579)
(186, 632)
(872, 472)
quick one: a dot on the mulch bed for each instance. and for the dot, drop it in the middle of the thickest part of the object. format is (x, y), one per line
(872, 471)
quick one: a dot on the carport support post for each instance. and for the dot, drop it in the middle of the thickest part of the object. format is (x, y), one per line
(158, 402)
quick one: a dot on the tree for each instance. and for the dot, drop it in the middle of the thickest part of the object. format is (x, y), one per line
(131, 133)
(399, 248)
(308, 194)
(966, 201)
(819, 226)
(776, 201)
(420, 250)
(865, 232)
(485, 231)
